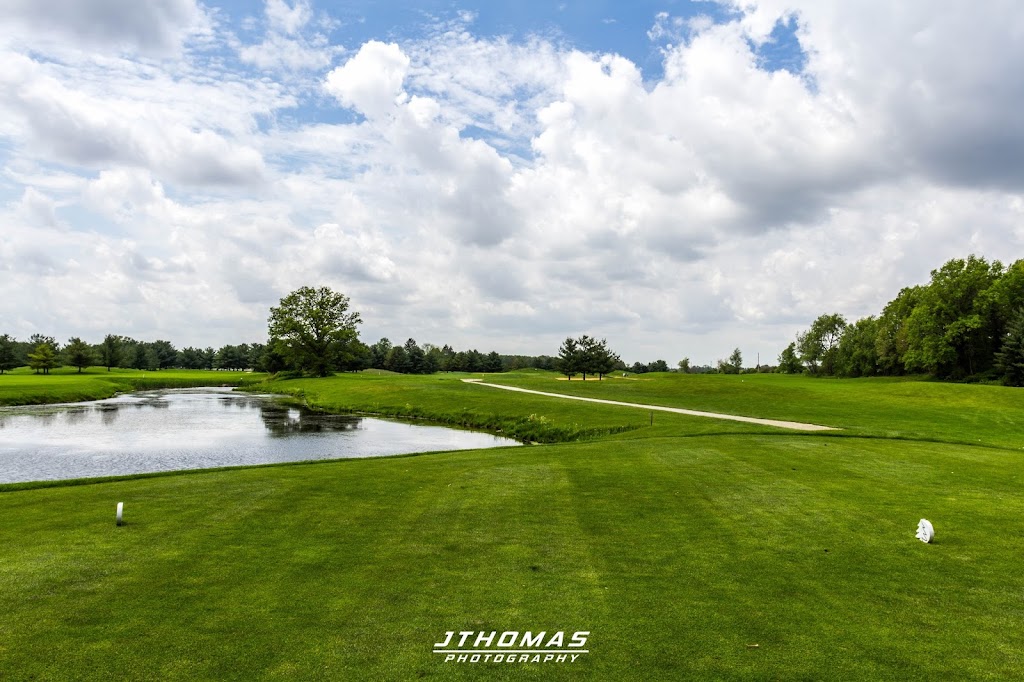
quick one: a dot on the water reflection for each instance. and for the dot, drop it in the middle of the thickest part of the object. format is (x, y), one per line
(108, 413)
(197, 428)
(75, 416)
(283, 421)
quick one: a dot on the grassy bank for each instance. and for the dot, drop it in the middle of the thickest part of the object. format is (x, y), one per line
(690, 548)
(446, 399)
(65, 384)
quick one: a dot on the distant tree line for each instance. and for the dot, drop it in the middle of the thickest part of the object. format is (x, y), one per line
(43, 353)
(655, 366)
(411, 358)
(966, 323)
(312, 331)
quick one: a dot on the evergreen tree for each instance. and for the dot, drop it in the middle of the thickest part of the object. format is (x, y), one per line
(569, 358)
(474, 361)
(397, 360)
(36, 339)
(255, 357)
(432, 359)
(492, 363)
(190, 358)
(110, 351)
(588, 355)
(1010, 358)
(415, 357)
(605, 360)
(271, 360)
(8, 355)
(448, 359)
(78, 353)
(166, 354)
(43, 358)
(658, 366)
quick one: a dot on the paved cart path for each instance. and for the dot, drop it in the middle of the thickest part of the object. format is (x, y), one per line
(796, 426)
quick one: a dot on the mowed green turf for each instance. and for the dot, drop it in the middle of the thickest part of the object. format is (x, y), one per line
(67, 384)
(887, 407)
(447, 399)
(690, 549)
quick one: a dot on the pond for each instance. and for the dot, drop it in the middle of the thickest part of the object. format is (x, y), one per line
(198, 428)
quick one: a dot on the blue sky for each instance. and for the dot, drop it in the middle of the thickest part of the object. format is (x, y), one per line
(597, 26)
(682, 178)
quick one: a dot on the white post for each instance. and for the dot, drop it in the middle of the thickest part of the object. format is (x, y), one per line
(120, 508)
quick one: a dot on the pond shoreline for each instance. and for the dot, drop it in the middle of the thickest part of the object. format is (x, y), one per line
(201, 428)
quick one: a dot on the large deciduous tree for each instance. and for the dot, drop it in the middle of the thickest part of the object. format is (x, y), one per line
(313, 328)
(789, 361)
(955, 326)
(857, 355)
(736, 361)
(819, 343)
(379, 353)
(891, 341)
(951, 329)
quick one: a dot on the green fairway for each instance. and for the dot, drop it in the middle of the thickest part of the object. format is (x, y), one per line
(887, 407)
(689, 548)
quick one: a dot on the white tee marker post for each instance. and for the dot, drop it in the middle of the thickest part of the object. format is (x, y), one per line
(120, 509)
(925, 531)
